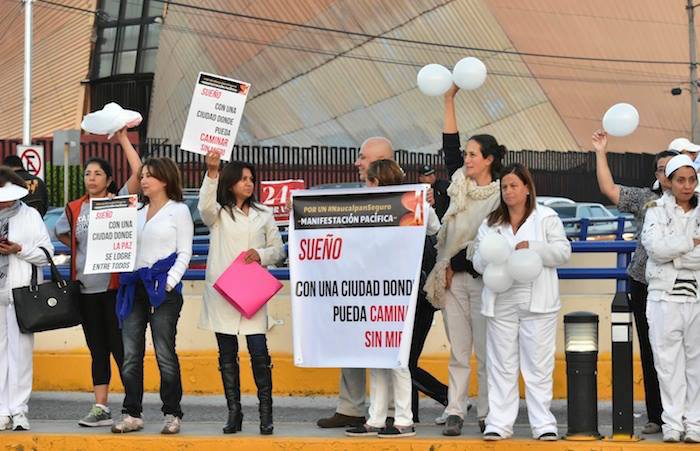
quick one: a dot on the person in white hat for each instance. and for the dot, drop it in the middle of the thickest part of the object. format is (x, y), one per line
(671, 236)
(684, 146)
(22, 233)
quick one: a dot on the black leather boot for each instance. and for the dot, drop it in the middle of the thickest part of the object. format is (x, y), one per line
(262, 372)
(230, 375)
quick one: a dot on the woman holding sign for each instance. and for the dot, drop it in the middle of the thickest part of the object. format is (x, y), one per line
(98, 292)
(521, 321)
(453, 286)
(152, 294)
(22, 232)
(238, 225)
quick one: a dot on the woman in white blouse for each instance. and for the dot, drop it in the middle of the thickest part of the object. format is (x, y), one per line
(237, 223)
(153, 293)
(521, 322)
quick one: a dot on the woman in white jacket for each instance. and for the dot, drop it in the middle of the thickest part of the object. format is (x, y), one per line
(237, 224)
(522, 321)
(671, 236)
(22, 233)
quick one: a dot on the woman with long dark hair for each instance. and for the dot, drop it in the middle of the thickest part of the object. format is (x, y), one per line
(521, 322)
(98, 292)
(152, 294)
(237, 223)
(453, 285)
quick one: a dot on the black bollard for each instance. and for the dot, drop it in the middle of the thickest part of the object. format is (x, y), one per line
(622, 377)
(581, 335)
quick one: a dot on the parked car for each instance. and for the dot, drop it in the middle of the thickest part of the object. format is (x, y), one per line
(191, 197)
(549, 200)
(50, 219)
(572, 213)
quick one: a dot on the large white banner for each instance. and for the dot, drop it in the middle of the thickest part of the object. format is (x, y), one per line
(354, 259)
(215, 115)
(111, 245)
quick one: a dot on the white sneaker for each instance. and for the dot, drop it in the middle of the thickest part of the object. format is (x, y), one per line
(671, 436)
(442, 419)
(692, 437)
(20, 422)
(127, 424)
(171, 425)
(5, 423)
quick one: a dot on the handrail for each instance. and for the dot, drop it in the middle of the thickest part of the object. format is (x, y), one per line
(622, 248)
(582, 234)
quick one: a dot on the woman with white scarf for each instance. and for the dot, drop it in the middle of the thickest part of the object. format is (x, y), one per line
(521, 322)
(671, 236)
(453, 286)
(22, 233)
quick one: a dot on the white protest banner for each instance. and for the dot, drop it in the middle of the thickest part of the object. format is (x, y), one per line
(275, 194)
(355, 259)
(215, 115)
(111, 245)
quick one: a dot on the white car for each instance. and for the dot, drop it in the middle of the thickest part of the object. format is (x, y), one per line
(574, 212)
(548, 201)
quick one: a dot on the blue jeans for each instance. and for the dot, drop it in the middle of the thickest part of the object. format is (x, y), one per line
(163, 322)
(228, 346)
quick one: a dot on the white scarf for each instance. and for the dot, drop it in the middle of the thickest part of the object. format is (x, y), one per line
(470, 204)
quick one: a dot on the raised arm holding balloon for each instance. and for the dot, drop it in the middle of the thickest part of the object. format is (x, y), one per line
(634, 200)
(98, 295)
(520, 303)
(453, 285)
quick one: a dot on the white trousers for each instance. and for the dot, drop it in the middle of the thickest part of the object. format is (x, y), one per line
(382, 381)
(465, 327)
(516, 338)
(674, 334)
(15, 364)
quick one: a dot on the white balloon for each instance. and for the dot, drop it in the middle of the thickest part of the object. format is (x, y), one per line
(497, 279)
(524, 265)
(469, 73)
(434, 80)
(494, 249)
(621, 119)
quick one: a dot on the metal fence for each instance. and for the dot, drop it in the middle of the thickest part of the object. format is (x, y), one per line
(567, 174)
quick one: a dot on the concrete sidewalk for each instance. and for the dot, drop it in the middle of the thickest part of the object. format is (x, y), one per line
(58, 412)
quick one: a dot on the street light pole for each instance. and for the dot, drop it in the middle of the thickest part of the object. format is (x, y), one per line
(693, 72)
(27, 111)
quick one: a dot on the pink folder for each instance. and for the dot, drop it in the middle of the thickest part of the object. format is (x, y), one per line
(247, 286)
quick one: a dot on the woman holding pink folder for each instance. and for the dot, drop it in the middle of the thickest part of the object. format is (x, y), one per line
(238, 224)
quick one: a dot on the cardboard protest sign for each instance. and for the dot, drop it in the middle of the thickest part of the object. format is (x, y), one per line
(215, 115)
(111, 243)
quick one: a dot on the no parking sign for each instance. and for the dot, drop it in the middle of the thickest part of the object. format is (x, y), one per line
(32, 159)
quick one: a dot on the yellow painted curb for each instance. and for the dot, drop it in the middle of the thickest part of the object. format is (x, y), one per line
(135, 442)
(70, 371)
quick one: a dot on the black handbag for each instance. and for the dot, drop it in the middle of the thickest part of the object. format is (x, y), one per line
(51, 305)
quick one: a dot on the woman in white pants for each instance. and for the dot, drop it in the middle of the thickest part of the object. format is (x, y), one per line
(522, 321)
(671, 236)
(453, 286)
(22, 232)
(383, 381)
